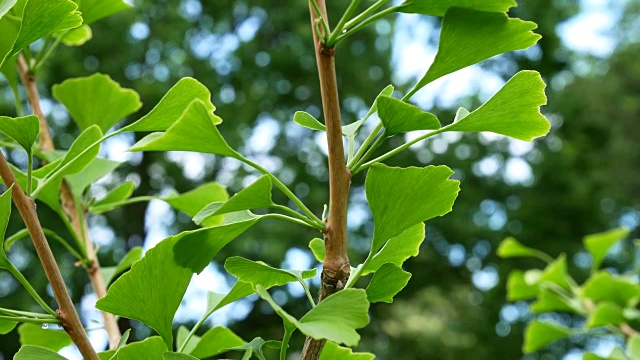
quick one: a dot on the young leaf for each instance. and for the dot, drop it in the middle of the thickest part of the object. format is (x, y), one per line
(34, 334)
(351, 130)
(513, 111)
(461, 114)
(392, 194)
(254, 347)
(195, 130)
(239, 290)
(398, 249)
(5, 6)
(323, 322)
(96, 170)
(603, 286)
(518, 288)
(74, 160)
(550, 300)
(468, 37)
(599, 244)
(177, 356)
(181, 337)
(388, 281)
(31, 352)
(94, 10)
(440, 7)
(195, 249)
(606, 313)
(42, 17)
(400, 117)
(172, 106)
(24, 130)
(332, 351)
(117, 194)
(539, 334)
(255, 196)
(195, 200)
(151, 291)
(214, 341)
(75, 37)
(557, 273)
(307, 120)
(96, 100)
(510, 248)
(7, 326)
(317, 248)
(149, 348)
(258, 273)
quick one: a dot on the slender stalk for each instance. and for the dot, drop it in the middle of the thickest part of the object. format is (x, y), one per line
(366, 22)
(27, 285)
(306, 290)
(16, 99)
(341, 23)
(31, 320)
(29, 172)
(68, 315)
(365, 146)
(370, 10)
(336, 267)
(299, 216)
(137, 199)
(369, 152)
(69, 206)
(48, 52)
(285, 343)
(27, 314)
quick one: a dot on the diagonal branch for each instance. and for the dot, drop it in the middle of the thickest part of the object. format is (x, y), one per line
(69, 205)
(68, 315)
(336, 267)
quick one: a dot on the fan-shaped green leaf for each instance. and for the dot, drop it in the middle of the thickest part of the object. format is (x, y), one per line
(215, 341)
(75, 37)
(95, 171)
(152, 290)
(24, 130)
(599, 244)
(195, 130)
(317, 248)
(31, 352)
(603, 286)
(255, 196)
(149, 348)
(468, 37)
(258, 273)
(510, 247)
(172, 106)
(400, 117)
(388, 281)
(518, 288)
(96, 100)
(307, 120)
(34, 334)
(332, 351)
(351, 130)
(117, 194)
(397, 249)
(440, 7)
(42, 17)
(94, 10)
(513, 111)
(125, 263)
(6, 326)
(195, 249)
(323, 322)
(403, 197)
(539, 334)
(606, 313)
(195, 200)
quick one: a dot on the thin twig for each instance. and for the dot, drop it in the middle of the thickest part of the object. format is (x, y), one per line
(68, 315)
(69, 205)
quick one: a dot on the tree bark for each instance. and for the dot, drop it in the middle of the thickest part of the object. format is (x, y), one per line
(336, 267)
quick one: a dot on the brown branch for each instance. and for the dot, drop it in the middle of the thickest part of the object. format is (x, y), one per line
(336, 267)
(69, 205)
(68, 315)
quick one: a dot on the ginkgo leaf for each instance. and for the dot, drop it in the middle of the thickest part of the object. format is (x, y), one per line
(332, 351)
(258, 273)
(400, 117)
(24, 130)
(215, 341)
(173, 105)
(96, 100)
(94, 10)
(317, 248)
(31, 352)
(95, 171)
(440, 7)
(307, 120)
(152, 290)
(513, 111)
(469, 37)
(255, 196)
(34, 334)
(390, 190)
(599, 244)
(351, 130)
(195, 130)
(42, 17)
(397, 249)
(539, 334)
(75, 37)
(150, 348)
(191, 202)
(119, 193)
(388, 281)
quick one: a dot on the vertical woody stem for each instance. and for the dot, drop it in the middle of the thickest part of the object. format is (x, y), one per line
(68, 315)
(336, 267)
(69, 206)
